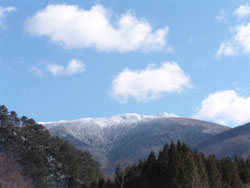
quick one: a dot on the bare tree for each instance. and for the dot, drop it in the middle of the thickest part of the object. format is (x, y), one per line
(125, 172)
(10, 175)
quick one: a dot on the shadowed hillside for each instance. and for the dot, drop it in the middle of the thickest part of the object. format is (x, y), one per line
(232, 142)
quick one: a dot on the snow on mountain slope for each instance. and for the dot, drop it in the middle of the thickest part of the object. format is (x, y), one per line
(131, 135)
(122, 119)
(100, 132)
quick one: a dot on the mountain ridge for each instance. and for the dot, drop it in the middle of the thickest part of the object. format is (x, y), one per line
(131, 135)
(124, 118)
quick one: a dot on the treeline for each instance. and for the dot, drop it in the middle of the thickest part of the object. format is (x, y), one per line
(177, 166)
(31, 157)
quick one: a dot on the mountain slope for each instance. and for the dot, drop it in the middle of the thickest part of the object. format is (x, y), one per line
(229, 143)
(28, 152)
(131, 135)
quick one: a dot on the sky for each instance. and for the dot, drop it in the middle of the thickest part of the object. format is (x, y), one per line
(64, 60)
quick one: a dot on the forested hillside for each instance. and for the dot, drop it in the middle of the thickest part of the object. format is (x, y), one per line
(30, 156)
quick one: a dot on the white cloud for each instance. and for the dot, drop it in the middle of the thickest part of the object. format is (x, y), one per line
(239, 43)
(242, 37)
(242, 12)
(78, 28)
(221, 17)
(226, 107)
(3, 13)
(227, 48)
(150, 83)
(74, 67)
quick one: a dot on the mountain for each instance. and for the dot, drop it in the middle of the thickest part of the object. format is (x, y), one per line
(131, 136)
(232, 142)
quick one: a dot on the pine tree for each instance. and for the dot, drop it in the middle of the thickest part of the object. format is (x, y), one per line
(200, 172)
(150, 171)
(214, 175)
(162, 170)
(186, 167)
(229, 172)
(243, 169)
(173, 167)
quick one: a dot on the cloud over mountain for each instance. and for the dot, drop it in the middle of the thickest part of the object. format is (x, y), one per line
(226, 107)
(74, 27)
(150, 83)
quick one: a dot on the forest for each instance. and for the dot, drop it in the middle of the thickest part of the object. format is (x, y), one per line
(31, 157)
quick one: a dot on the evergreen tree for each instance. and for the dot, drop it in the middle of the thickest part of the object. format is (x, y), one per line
(162, 163)
(186, 167)
(229, 172)
(173, 167)
(214, 175)
(149, 177)
(243, 169)
(200, 171)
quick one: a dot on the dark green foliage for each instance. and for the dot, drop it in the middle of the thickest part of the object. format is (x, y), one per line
(178, 166)
(150, 171)
(162, 167)
(48, 161)
(214, 175)
(201, 175)
(230, 174)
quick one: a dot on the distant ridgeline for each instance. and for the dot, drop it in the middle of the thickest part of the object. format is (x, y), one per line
(31, 157)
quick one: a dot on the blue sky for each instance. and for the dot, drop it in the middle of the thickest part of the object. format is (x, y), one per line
(73, 59)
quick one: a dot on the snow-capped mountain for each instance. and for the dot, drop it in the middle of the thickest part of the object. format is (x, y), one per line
(116, 120)
(131, 136)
